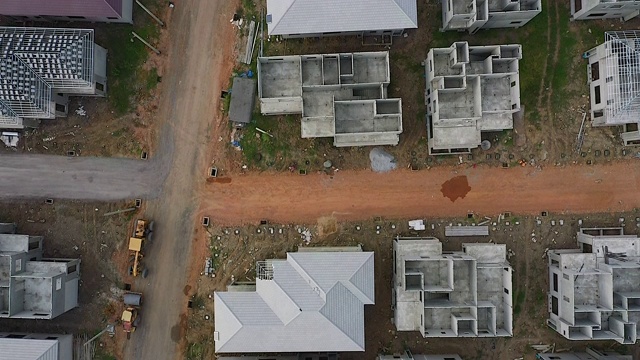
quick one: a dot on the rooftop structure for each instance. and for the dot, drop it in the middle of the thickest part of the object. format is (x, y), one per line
(243, 94)
(470, 90)
(452, 294)
(473, 15)
(36, 346)
(312, 18)
(343, 96)
(604, 9)
(120, 11)
(409, 356)
(313, 301)
(32, 287)
(41, 67)
(595, 290)
(589, 354)
(614, 83)
(303, 356)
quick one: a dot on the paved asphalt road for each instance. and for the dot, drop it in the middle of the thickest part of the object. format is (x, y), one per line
(43, 176)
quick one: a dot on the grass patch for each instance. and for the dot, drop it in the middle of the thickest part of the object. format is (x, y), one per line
(102, 355)
(125, 58)
(261, 149)
(195, 351)
(519, 300)
(152, 79)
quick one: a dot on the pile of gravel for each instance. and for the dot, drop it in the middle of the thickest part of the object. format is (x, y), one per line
(382, 161)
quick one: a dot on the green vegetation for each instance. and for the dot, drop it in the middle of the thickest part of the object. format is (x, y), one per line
(195, 351)
(259, 147)
(519, 300)
(152, 79)
(126, 57)
(102, 355)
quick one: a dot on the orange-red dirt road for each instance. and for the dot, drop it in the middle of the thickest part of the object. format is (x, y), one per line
(354, 195)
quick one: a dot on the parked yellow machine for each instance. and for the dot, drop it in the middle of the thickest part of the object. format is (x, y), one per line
(131, 315)
(142, 233)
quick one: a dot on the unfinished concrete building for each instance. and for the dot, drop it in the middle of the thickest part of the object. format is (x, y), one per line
(473, 15)
(470, 90)
(316, 18)
(32, 287)
(41, 67)
(452, 294)
(604, 9)
(613, 75)
(409, 356)
(23, 346)
(343, 96)
(594, 291)
(312, 301)
(588, 354)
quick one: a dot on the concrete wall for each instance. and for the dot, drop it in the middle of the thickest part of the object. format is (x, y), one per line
(591, 9)
(479, 16)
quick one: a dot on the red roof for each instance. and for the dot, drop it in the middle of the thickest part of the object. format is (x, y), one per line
(86, 8)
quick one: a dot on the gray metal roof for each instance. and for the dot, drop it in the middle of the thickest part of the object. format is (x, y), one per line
(314, 303)
(325, 16)
(243, 94)
(28, 349)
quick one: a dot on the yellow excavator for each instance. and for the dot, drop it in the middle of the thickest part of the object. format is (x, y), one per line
(142, 233)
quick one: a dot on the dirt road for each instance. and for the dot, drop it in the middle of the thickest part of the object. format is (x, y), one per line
(199, 61)
(405, 194)
(42, 176)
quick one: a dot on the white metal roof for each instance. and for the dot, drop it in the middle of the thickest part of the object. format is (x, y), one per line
(286, 17)
(312, 302)
(28, 349)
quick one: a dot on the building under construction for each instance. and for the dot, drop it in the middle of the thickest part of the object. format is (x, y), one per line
(41, 67)
(594, 291)
(470, 90)
(343, 96)
(614, 83)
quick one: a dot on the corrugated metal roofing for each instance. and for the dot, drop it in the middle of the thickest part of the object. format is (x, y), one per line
(325, 16)
(28, 349)
(86, 8)
(466, 230)
(315, 302)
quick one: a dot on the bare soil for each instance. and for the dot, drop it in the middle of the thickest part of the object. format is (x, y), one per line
(235, 256)
(73, 229)
(355, 195)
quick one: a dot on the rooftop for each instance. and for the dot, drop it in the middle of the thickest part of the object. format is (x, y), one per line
(311, 302)
(85, 8)
(243, 94)
(288, 17)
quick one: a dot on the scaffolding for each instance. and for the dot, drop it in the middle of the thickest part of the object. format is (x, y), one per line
(623, 76)
(36, 61)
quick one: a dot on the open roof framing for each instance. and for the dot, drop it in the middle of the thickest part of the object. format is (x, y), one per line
(34, 61)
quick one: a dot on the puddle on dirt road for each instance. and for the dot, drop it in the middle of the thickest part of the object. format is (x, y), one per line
(178, 330)
(186, 290)
(457, 187)
(220, 180)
